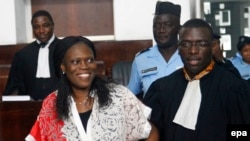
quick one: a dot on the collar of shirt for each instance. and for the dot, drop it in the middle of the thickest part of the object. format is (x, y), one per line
(48, 43)
(243, 63)
(201, 74)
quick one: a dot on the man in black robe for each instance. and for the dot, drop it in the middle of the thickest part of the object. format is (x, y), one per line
(199, 101)
(32, 70)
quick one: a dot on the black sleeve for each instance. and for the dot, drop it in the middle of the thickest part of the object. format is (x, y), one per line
(15, 78)
(227, 64)
(238, 101)
(152, 99)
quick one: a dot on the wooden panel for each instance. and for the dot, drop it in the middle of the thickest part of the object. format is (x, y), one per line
(101, 69)
(7, 52)
(17, 118)
(79, 17)
(113, 51)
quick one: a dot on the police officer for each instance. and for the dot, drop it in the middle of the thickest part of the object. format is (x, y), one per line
(161, 59)
(242, 59)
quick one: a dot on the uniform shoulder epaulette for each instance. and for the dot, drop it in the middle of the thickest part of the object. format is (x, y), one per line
(234, 57)
(140, 52)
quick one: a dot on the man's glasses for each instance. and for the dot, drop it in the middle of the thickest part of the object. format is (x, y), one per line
(198, 44)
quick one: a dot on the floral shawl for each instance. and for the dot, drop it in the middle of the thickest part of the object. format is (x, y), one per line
(124, 119)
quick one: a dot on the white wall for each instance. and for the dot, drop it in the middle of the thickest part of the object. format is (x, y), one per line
(15, 21)
(7, 24)
(133, 19)
(22, 14)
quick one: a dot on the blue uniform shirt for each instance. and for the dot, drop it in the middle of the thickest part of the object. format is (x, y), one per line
(150, 65)
(242, 66)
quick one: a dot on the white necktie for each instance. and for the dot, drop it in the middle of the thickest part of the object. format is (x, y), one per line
(43, 63)
(188, 110)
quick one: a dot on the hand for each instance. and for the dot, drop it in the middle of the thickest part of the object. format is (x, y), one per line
(154, 134)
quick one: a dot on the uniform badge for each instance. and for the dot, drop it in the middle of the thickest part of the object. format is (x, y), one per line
(149, 69)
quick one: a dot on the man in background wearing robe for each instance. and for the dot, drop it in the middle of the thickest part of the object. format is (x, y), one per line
(32, 70)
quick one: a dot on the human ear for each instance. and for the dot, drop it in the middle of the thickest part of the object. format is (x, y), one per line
(62, 66)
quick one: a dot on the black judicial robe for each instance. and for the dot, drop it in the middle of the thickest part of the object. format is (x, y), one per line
(22, 76)
(224, 101)
(227, 65)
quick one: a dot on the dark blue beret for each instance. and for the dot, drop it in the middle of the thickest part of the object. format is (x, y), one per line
(167, 8)
(243, 40)
(216, 36)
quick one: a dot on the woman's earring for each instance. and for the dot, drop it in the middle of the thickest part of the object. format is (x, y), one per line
(63, 72)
